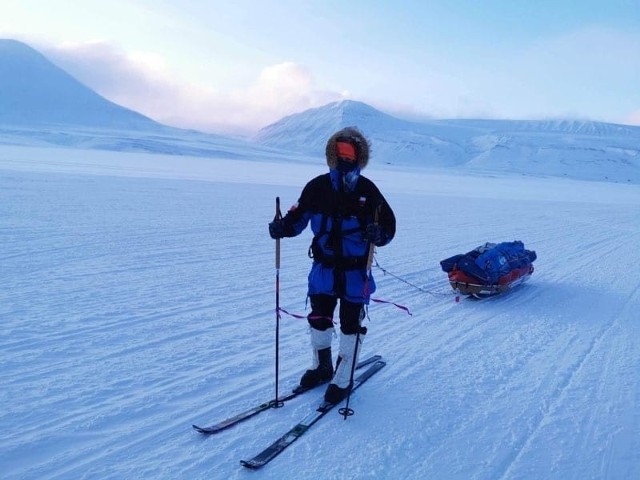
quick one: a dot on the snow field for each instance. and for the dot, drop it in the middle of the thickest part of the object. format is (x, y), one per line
(135, 304)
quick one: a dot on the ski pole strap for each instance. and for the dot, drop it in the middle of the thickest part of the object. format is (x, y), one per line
(294, 315)
(401, 307)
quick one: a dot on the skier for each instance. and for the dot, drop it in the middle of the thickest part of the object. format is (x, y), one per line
(347, 213)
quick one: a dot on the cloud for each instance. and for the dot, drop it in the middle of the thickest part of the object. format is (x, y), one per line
(145, 83)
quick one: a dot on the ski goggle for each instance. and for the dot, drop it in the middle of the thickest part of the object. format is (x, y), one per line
(346, 151)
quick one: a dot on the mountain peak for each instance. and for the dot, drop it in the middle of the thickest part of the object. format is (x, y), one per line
(309, 131)
(349, 110)
(8, 45)
(351, 106)
(34, 91)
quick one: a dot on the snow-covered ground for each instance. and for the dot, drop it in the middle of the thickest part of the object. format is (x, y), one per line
(138, 298)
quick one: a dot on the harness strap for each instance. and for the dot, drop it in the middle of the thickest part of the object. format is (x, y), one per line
(341, 263)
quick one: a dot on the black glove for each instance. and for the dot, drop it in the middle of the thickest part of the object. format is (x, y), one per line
(374, 234)
(276, 229)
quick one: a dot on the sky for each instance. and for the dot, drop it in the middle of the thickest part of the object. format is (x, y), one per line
(235, 67)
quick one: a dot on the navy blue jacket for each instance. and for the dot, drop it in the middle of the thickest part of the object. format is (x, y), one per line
(339, 215)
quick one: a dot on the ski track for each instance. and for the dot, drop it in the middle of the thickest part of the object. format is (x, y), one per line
(556, 404)
(154, 309)
(591, 256)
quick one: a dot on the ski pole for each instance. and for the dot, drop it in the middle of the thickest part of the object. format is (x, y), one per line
(346, 411)
(276, 403)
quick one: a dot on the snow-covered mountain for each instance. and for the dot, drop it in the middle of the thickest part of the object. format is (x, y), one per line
(393, 140)
(579, 149)
(42, 105)
(34, 91)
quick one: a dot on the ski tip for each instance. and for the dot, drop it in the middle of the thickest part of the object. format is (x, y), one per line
(251, 464)
(205, 430)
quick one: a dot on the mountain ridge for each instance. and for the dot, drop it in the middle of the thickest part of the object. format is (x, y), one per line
(541, 147)
(41, 103)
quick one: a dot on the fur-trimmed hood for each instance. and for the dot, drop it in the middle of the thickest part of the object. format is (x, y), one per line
(354, 136)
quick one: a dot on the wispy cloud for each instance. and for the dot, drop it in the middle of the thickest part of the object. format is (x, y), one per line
(145, 83)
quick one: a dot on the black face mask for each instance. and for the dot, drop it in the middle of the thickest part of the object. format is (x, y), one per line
(346, 166)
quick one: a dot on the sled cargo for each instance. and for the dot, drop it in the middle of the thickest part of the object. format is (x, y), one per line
(489, 269)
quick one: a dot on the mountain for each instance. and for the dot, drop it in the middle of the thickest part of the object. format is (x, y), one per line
(33, 91)
(42, 105)
(393, 140)
(578, 149)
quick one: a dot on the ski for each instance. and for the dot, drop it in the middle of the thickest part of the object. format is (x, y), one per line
(240, 417)
(277, 447)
